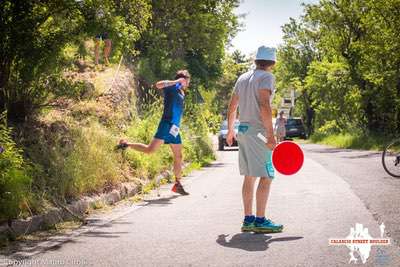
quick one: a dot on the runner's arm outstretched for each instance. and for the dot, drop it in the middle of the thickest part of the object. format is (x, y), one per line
(166, 83)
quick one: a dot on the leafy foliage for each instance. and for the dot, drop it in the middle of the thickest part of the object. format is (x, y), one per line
(34, 33)
(343, 57)
(14, 177)
(189, 35)
(233, 65)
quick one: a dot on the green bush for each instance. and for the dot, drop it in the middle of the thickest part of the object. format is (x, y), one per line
(93, 164)
(75, 158)
(14, 178)
(329, 127)
(60, 86)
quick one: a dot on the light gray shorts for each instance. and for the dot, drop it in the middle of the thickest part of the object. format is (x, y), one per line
(254, 157)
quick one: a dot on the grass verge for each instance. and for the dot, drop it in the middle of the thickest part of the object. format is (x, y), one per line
(353, 140)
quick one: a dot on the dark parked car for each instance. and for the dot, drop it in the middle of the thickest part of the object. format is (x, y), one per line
(295, 128)
(223, 133)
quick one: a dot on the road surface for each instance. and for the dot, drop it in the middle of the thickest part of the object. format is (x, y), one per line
(334, 190)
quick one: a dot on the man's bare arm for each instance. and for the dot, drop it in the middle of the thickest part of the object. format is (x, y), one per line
(266, 116)
(166, 83)
(233, 105)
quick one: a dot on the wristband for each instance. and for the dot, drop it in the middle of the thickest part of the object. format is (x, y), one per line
(262, 137)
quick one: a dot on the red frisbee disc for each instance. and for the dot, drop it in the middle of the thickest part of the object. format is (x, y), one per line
(287, 158)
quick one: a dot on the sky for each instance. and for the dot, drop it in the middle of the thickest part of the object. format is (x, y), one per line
(263, 21)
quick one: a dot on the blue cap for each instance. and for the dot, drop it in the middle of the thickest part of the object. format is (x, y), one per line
(266, 53)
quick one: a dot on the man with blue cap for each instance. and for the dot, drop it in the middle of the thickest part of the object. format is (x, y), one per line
(253, 94)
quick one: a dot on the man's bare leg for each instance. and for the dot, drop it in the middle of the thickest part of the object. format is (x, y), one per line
(178, 160)
(107, 51)
(150, 148)
(262, 224)
(96, 51)
(262, 194)
(247, 194)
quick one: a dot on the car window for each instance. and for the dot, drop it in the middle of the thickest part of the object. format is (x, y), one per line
(224, 125)
(293, 122)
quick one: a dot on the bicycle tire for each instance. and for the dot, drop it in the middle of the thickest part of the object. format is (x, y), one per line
(388, 160)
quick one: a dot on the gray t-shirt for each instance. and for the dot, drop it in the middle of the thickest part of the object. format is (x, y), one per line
(247, 88)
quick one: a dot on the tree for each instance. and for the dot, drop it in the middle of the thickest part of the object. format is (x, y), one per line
(295, 56)
(357, 40)
(33, 34)
(191, 34)
(233, 66)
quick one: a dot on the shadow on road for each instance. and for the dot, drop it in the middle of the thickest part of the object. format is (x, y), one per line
(369, 155)
(104, 234)
(159, 201)
(230, 149)
(24, 249)
(252, 242)
(21, 250)
(328, 150)
(356, 153)
(216, 165)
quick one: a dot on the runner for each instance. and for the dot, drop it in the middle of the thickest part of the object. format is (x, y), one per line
(102, 35)
(280, 127)
(107, 48)
(253, 95)
(168, 128)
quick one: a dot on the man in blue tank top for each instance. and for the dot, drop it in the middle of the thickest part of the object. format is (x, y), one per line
(168, 128)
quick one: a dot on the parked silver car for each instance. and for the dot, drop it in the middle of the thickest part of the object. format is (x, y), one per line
(223, 133)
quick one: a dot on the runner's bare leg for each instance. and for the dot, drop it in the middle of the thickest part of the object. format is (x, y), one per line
(178, 160)
(150, 148)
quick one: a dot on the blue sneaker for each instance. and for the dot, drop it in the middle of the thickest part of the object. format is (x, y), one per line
(267, 226)
(248, 224)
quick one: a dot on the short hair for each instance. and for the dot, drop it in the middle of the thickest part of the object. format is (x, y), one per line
(264, 63)
(182, 74)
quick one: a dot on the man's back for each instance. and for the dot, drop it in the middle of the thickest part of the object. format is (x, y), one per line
(247, 88)
(173, 104)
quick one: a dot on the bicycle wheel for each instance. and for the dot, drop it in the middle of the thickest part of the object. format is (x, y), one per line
(391, 159)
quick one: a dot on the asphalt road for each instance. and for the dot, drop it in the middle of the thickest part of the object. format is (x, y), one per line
(334, 190)
(363, 171)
